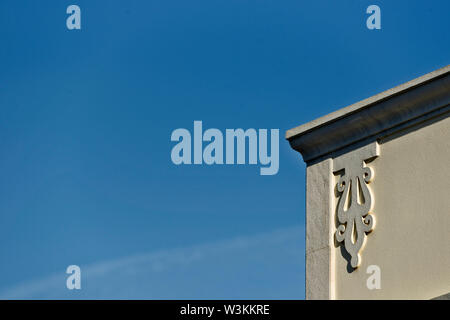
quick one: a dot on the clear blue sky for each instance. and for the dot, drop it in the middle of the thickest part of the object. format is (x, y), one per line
(86, 118)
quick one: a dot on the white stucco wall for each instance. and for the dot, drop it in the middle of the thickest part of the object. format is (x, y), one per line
(411, 240)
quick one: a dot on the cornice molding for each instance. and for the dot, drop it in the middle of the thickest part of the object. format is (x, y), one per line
(429, 94)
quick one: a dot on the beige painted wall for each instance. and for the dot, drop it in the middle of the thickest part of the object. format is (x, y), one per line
(411, 238)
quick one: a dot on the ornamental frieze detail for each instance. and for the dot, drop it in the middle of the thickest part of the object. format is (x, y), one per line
(354, 209)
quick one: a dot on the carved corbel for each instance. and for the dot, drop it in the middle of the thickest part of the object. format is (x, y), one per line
(356, 200)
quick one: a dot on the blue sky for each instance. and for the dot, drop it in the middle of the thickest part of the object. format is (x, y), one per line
(86, 116)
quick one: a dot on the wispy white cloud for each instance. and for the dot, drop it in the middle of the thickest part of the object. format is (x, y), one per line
(268, 265)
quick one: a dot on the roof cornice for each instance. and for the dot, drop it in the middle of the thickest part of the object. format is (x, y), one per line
(370, 117)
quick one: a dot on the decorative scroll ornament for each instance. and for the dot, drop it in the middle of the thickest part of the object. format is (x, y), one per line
(355, 202)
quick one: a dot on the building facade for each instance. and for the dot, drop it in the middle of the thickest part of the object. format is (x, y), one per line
(378, 194)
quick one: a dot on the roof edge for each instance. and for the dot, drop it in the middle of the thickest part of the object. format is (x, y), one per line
(373, 115)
